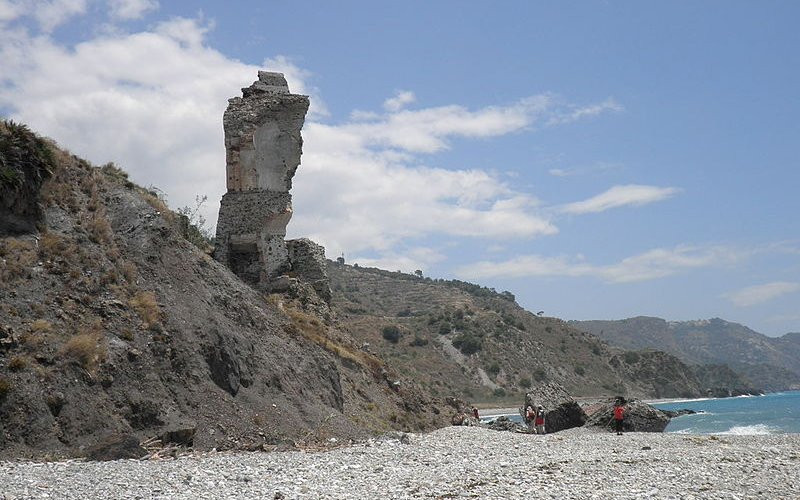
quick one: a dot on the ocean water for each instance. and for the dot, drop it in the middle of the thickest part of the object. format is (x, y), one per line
(769, 414)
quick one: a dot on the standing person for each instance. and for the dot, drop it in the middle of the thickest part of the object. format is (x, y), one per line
(619, 416)
(540, 420)
(530, 417)
(475, 412)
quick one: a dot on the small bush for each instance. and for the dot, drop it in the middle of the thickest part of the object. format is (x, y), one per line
(630, 357)
(468, 343)
(596, 350)
(129, 271)
(17, 363)
(391, 333)
(85, 348)
(579, 370)
(539, 374)
(493, 369)
(499, 392)
(419, 341)
(445, 328)
(145, 305)
(5, 387)
(525, 382)
(99, 229)
(41, 326)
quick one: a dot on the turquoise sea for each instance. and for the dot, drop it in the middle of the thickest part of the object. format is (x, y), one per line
(772, 413)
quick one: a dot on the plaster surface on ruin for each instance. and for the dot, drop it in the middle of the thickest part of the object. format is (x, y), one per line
(263, 147)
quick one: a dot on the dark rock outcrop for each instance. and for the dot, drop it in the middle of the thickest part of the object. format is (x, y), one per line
(639, 417)
(561, 410)
(25, 162)
(503, 423)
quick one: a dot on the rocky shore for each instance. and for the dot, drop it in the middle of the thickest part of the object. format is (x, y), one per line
(451, 462)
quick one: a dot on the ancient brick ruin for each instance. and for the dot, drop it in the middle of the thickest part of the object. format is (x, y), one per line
(263, 147)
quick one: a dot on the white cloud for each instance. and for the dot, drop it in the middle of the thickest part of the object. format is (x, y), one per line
(131, 9)
(759, 294)
(576, 113)
(153, 101)
(399, 101)
(584, 170)
(407, 261)
(656, 263)
(618, 196)
(49, 14)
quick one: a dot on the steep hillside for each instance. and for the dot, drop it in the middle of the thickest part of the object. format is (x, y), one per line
(112, 322)
(771, 363)
(458, 338)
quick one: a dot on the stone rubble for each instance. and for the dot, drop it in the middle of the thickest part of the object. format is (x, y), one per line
(454, 462)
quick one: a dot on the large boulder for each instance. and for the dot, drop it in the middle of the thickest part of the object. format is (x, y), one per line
(561, 410)
(639, 417)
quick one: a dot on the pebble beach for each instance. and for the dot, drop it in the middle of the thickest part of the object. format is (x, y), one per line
(453, 462)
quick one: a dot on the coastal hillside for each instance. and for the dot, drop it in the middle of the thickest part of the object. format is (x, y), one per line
(454, 337)
(113, 323)
(765, 362)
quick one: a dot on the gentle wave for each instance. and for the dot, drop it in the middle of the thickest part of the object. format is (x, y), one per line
(749, 430)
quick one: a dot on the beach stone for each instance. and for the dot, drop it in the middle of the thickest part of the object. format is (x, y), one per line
(639, 417)
(561, 410)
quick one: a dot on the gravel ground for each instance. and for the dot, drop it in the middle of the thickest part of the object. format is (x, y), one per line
(454, 462)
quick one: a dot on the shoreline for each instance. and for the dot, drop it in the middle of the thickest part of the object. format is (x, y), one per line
(448, 462)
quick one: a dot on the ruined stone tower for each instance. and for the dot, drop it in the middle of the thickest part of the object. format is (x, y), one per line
(263, 147)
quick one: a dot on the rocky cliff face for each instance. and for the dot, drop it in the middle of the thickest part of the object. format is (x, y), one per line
(111, 323)
(263, 147)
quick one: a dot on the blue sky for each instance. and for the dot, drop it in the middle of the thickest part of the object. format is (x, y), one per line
(597, 159)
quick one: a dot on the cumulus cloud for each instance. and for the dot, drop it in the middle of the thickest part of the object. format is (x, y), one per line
(131, 9)
(619, 196)
(759, 294)
(152, 101)
(399, 101)
(49, 14)
(655, 263)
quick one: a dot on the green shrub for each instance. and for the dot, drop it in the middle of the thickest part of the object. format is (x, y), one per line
(579, 370)
(539, 374)
(445, 328)
(631, 357)
(525, 382)
(391, 333)
(493, 369)
(419, 341)
(468, 343)
(499, 392)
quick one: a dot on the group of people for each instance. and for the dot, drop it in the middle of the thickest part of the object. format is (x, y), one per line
(534, 417)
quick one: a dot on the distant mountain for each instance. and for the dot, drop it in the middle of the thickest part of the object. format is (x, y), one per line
(770, 363)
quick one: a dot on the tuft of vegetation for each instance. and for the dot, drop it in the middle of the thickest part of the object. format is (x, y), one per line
(25, 159)
(579, 370)
(525, 382)
(391, 333)
(5, 387)
(17, 363)
(85, 348)
(493, 369)
(419, 341)
(145, 305)
(194, 226)
(540, 375)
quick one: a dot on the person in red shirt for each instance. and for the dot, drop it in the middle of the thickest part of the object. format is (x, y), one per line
(540, 420)
(619, 416)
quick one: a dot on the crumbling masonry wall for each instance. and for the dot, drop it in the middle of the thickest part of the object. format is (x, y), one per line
(263, 147)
